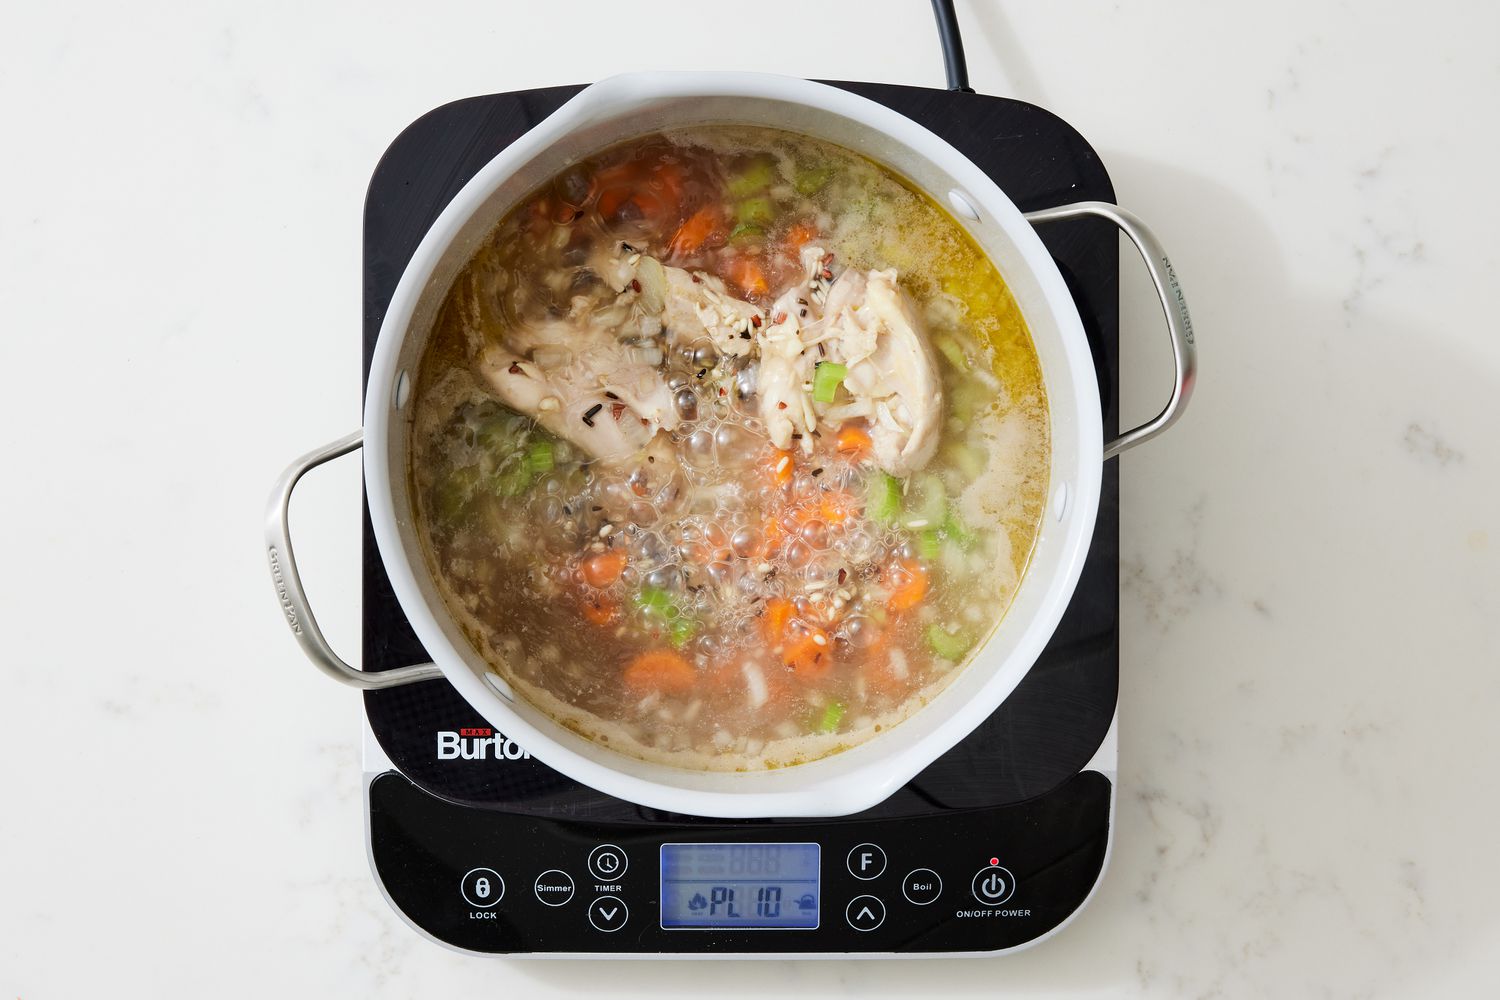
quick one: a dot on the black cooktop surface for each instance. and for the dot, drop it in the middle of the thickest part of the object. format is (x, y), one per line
(1053, 722)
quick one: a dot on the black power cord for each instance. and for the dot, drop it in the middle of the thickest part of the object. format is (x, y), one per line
(953, 46)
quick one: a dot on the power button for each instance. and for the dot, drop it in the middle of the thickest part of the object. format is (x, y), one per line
(993, 885)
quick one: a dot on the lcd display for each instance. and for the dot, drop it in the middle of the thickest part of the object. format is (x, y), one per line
(749, 886)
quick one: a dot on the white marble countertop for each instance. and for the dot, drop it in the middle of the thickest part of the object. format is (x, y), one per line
(1311, 558)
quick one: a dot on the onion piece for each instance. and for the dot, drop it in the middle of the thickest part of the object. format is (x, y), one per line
(755, 685)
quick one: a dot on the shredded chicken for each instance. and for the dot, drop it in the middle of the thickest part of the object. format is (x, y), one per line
(695, 307)
(583, 385)
(867, 324)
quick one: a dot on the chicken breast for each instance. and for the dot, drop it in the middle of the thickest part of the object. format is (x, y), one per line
(695, 307)
(867, 324)
(581, 384)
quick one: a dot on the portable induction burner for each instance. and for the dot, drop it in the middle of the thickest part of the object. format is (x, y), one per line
(993, 847)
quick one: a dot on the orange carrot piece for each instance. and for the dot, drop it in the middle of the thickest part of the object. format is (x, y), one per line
(600, 609)
(837, 505)
(907, 581)
(604, 569)
(695, 232)
(774, 619)
(779, 467)
(800, 235)
(809, 658)
(660, 670)
(748, 277)
(853, 440)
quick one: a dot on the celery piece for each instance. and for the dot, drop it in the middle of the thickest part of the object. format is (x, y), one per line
(831, 717)
(965, 459)
(948, 645)
(514, 479)
(655, 600)
(746, 230)
(827, 377)
(932, 499)
(954, 528)
(680, 630)
(810, 180)
(755, 177)
(754, 212)
(452, 493)
(929, 544)
(883, 497)
(540, 458)
(950, 350)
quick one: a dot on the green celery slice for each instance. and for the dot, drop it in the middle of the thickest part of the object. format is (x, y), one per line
(883, 497)
(948, 645)
(827, 377)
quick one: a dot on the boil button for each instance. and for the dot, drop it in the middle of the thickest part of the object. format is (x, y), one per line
(922, 886)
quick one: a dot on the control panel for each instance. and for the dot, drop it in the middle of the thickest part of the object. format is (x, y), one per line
(950, 880)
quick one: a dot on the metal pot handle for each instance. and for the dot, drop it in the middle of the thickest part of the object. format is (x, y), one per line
(1173, 306)
(293, 598)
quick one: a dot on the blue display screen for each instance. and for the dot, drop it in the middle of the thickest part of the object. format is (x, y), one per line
(725, 886)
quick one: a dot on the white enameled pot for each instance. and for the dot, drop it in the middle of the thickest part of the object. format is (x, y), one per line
(626, 106)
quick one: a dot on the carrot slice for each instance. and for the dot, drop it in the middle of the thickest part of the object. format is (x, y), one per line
(779, 467)
(837, 505)
(695, 232)
(800, 235)
(853, 440)
(774, 618)
(599, 609)
(746, 275)
(907, 582)
(808, 658)
(660, 670)
(604, 569)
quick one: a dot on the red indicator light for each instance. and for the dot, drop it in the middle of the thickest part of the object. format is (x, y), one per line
(994, 861)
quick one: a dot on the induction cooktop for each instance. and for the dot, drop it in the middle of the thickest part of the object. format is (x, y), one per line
(995, 846)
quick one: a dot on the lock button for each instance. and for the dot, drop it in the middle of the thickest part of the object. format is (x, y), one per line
(482, 887)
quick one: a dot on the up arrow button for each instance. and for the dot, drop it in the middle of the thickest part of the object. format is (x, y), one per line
(865, 913)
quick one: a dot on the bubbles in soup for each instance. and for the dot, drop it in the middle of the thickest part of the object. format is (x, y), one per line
(728, 448)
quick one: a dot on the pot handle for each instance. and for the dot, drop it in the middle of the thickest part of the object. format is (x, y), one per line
(293, 598)
(1173, 306)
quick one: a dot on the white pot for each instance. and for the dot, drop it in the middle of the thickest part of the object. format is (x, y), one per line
(625, 106)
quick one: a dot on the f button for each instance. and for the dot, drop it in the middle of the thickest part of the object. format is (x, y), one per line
(866, 861)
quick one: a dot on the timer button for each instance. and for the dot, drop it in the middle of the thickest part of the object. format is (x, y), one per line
(922, 886)
(482, 887)
(993, 885)
(866, 861)
(608, 914)
(865, 913)
(607, 862)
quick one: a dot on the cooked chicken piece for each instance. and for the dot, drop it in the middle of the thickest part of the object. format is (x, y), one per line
(786, 365)
(695, 307)
(582, 384)
(868, 325)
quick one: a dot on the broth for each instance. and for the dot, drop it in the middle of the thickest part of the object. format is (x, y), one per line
(728, 448)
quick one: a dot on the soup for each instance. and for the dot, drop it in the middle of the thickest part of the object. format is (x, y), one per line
(728, 448)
